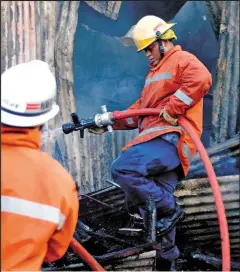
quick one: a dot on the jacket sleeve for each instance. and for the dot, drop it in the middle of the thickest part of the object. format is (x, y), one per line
(195, 83)
(128, 123)
(60, 241)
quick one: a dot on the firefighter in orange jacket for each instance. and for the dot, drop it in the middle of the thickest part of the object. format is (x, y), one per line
(39, 201)
(160, 155)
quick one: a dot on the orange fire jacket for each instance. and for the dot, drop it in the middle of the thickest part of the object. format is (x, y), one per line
(178, 84)
(39, 203)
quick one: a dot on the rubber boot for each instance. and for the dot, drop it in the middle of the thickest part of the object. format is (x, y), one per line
(165, 224)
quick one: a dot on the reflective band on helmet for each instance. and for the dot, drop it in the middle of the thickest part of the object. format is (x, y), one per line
(32, 209)
(158, 77)
(24, 113)
(183, 97)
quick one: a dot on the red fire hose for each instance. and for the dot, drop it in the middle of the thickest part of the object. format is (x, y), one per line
(222, 220)
(86, 257)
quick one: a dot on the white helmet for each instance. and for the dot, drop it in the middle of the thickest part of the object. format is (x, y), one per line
(28, 92)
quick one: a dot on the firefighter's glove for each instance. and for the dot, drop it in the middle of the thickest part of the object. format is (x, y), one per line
(168, 118)
(97, 131)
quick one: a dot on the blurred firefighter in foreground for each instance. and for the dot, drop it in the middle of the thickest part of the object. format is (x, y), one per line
(39, 202)
(153, 162)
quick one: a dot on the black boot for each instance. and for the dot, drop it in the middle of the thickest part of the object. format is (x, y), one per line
(164, 225)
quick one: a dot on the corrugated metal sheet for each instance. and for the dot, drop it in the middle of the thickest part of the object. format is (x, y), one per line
(224, 158)
(200, 227)
(226, 90)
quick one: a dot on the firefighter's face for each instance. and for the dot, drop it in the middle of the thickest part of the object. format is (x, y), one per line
(152, 52)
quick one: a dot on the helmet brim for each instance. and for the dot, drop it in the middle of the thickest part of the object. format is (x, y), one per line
(28, 121)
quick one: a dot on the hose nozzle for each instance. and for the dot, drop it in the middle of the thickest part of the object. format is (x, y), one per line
(68, 128)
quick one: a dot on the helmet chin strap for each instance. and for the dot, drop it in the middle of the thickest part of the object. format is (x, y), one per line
(161, 48)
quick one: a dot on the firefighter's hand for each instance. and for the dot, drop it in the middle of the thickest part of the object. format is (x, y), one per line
(97, 131)
(168, 118)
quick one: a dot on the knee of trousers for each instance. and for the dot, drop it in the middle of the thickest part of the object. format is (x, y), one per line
(125, 178)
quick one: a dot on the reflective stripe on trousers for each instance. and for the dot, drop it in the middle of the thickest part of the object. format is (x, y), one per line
(186, 149)
(32, 209)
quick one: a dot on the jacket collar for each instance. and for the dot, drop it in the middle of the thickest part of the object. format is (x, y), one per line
(21, 137)
(168, 54)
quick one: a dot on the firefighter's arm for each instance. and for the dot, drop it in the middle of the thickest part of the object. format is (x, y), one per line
(128, 123)
(195, 83)
(60, 241)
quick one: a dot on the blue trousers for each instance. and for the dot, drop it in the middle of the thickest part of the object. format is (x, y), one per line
(148, 169)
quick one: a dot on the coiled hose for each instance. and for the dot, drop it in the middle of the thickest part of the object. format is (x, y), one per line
(222, 220)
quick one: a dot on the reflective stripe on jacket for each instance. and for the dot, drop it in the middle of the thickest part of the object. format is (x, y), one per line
(39, 203)
(177, 83)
